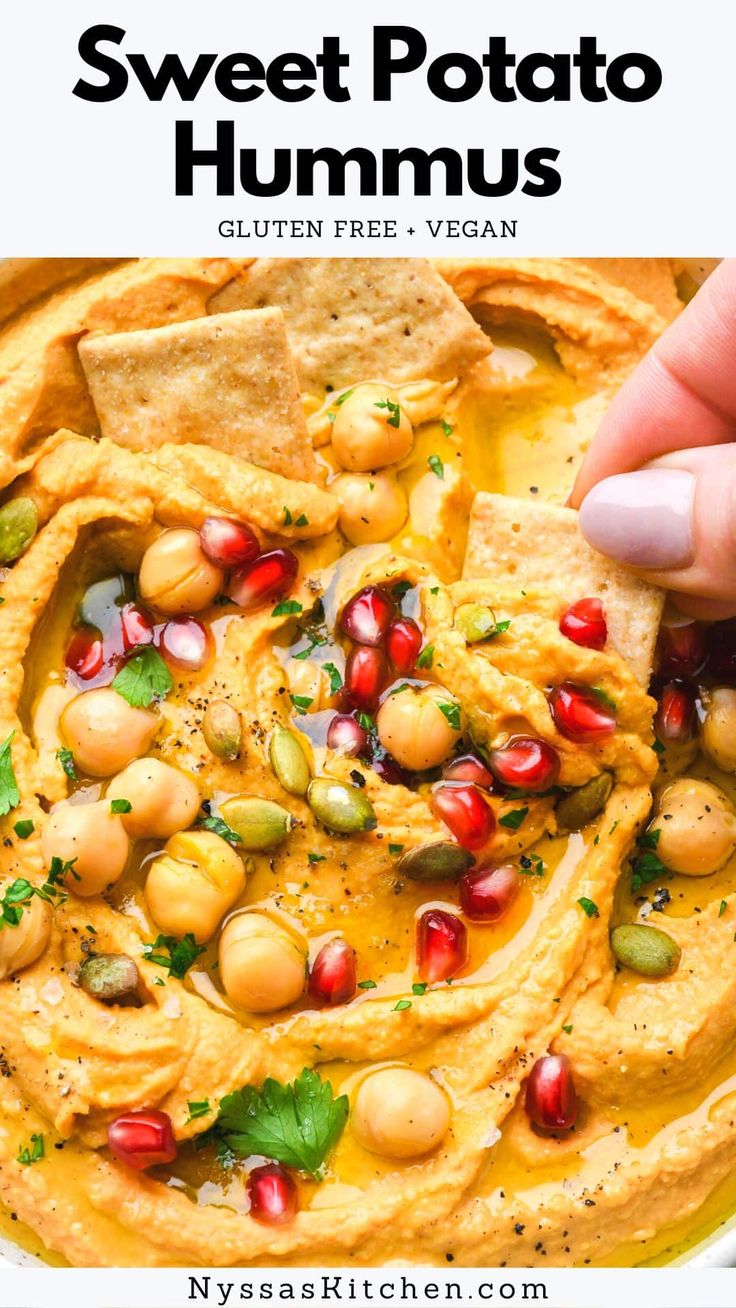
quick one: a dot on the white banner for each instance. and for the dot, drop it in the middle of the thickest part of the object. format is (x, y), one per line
(82, 177)
(362, 1287)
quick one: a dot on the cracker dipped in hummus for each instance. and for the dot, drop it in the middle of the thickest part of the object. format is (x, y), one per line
(367, 867)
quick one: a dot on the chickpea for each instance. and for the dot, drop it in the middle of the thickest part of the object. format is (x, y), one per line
(399, 1113)
(262, 965)
(176, 576)
(414, 729)
(21, 945)
(94, 837)
(697, 826)
(370, 429)
(718, 736)
(164, 799)
(104, 732)
(193, 883)
(373, 506)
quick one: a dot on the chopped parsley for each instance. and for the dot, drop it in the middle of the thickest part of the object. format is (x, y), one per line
(287, 517)
(144, 678)
(24, 828)
(366, 722)
(301, 702)
(450, 711)
(367, 985)
(180, 953)
(286, 608)
(418, 987)
(9, 793)
(395, 849)
(295, 1124)
(722, 908)
(66, 758)
(335, 677)
(121, 806)
(316, 858)
(401, 1005)
(211, 822)
(447, 430)
(531, 865)
(32, 1153)
(425, 658)
(197, 1108)
(604, 697)
(567, 1029)
(400, 589)
(589, 907)
(514, 818)
(18, 893)
(646, 865)
(302, 520)
(394, 409)
(342, 398)
(437, 466)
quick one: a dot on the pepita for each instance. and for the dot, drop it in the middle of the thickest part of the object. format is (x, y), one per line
(260, 823)
(18, 526)
(289, 761)
(340, 807)
(645, 949)
(109, 977)
(578, 808)
(222, 728)
(438, 860)
(476, 622)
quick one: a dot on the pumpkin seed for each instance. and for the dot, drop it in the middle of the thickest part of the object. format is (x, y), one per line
(289, 761)
(18, 526)
(222, 728)
(260, 823)
(578, 808)
(109, 977)
(645, 949)
(475, 621)
(438, 860)
(340, 807)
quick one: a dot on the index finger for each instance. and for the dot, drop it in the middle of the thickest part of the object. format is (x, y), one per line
(682, 394)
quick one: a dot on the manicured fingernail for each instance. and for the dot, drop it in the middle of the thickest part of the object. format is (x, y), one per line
(642, 518)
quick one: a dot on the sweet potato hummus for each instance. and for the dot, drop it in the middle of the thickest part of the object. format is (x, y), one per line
(366, 876)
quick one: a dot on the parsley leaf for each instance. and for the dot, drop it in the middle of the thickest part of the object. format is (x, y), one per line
(437, 466)
(121, 806)
(16, 895)
(419, 987)
(24, 828)
(32, 1153)
(646, 865)
(287, 517)
(400, 589)
(143, 678)
(181, 953)
(401, 1006)
(450, 711)
(426, 657)
(296, 1124)
(335, 677)
(316, 858)
(301, 702)
(514, 818)
(285, 607)
(302, 520)
(394, 417)
(9, 793)
(66, 758)
(589, 907)
(367, 985)
(220, 827)
(197, 1108)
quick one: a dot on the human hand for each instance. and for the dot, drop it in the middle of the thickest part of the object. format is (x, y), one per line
(657, 488)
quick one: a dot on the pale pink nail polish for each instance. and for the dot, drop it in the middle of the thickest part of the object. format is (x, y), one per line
(642, 518)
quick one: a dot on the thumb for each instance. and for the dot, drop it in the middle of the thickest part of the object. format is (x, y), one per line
(674, 522)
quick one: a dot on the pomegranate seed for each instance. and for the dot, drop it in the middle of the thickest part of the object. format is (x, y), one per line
(367, 616)
(551, 1102)
(347, 735)
(389, 770)
(675, 717)
(269, 577)
(579, 715)
(332, 976)
(227, 543)
(142, 1138)
(137, 627)
(469, 768)
(682, 649)
(487, 892)
(442, 945)
(186, 643)
(403, 643)
(366, 674)
(584, 623)
(273, 1195)
(722, 662)
(85, 655)
(463, 809)
(526, 762)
